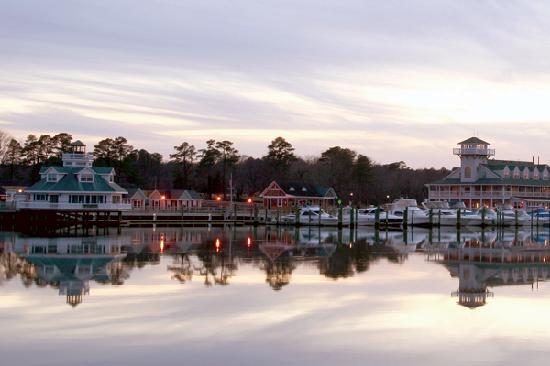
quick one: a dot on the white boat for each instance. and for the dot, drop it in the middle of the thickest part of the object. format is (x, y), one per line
(415, 215)
(367, 217)
(511, 217)
(312, 215)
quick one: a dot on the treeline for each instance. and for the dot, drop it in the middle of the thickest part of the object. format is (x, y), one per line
(217, 165)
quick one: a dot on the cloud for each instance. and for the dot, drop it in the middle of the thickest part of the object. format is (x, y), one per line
(393, 80)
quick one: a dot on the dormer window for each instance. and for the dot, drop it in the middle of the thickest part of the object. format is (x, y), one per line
(86, 178)
(51, 177)
(304, 189)
(291, 189)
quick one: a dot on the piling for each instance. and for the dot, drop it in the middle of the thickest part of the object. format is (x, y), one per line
(377, 218)
(340, 216)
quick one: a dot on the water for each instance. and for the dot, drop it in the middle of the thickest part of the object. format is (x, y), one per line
(244, 296)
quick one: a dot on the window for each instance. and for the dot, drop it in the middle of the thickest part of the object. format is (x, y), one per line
(52, 177)
(86, 178)
(40, 197)
(467, 172)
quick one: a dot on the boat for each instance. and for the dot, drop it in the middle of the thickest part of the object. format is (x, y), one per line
(511, 217)
(313, 215)
(367, 217)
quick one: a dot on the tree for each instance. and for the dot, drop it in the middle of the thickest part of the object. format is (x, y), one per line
(13, 157)
(5, 139)
(280, 153)
(209, 156)
(229, 157)
(337, 169)
(31, 151)
(362, 173)
(185, 157)
(61, 143)
(112, 152)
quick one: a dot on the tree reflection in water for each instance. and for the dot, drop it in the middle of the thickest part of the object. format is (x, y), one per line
(479, 260)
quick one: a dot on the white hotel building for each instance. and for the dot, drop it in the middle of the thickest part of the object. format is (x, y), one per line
(483, 181)
(77, 185)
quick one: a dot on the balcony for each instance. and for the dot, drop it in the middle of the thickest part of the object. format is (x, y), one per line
(473, 151)
(40, 205)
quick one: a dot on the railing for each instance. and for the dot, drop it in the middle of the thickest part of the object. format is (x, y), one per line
(490, 195)
(473, 151)
(20, 205)
(74, 156)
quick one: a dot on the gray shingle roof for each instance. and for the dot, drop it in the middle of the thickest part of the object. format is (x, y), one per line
(474, 140)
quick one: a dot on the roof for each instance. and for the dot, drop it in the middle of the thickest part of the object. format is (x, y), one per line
(73, 170)
(70, 183)
(136, 192)
(474, 140)
(304, 189)
(78, 143)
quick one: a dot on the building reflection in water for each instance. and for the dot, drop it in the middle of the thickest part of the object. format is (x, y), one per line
(487, 260)
(480, 260)
(68, 264)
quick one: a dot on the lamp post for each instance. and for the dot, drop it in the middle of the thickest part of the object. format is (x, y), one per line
(350, 198)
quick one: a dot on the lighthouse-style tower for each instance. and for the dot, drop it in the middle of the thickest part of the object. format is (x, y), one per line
(472, 152)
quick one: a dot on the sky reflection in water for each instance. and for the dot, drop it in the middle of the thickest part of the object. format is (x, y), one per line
(274, 296)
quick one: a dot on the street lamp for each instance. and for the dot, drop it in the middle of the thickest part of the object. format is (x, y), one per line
(350, 198)
(388, 198)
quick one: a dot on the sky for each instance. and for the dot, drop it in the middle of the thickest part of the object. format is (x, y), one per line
(394, 80)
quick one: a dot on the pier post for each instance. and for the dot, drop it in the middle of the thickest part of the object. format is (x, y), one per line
(516, 217)
(255, 215)
(377, 218)
(405, 218)
(351, 218)
(297, 216)
(458, 214)
(431, 217)
(340, 216)
(483, 217)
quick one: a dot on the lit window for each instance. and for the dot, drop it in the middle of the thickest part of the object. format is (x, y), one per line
(52, 177)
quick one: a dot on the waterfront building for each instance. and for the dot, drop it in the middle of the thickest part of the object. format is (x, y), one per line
(482, 180)
(281, 195)
(137, 198)
(77, 185)
(173, 200)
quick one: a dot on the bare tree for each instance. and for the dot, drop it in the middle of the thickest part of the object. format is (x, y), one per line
(5, 139)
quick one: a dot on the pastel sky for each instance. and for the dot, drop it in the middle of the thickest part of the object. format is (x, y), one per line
(395, 80)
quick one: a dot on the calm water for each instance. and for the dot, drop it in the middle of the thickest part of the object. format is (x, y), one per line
(190, 296)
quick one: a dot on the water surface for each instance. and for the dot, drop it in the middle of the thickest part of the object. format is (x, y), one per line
(245, 296)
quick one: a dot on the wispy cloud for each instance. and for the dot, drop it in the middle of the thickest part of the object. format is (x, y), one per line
(393, 80)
